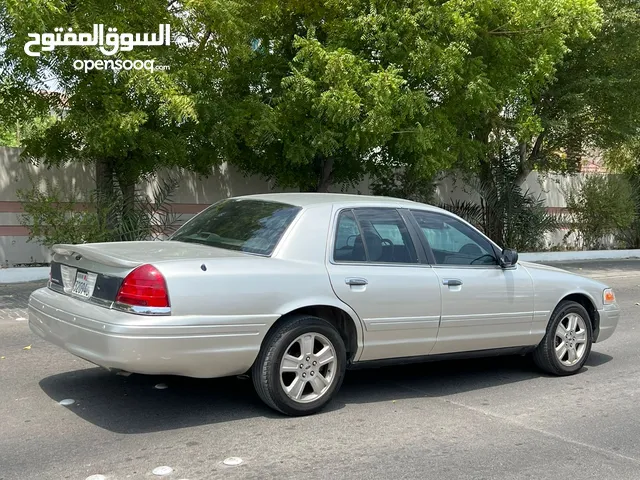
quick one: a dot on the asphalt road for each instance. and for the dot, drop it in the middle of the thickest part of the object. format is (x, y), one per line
(479, 419)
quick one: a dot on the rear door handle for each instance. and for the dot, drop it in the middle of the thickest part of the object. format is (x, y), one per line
(353, 281)
(452, 282)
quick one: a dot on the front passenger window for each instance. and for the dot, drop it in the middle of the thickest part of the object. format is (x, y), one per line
(453, 242)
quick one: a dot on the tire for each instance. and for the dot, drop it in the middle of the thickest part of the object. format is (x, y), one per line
(553, 354)
(274, 376)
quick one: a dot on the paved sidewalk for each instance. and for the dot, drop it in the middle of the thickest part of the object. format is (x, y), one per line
(14, 298)
(602, 269)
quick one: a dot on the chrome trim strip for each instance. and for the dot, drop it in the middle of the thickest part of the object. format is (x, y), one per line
(488, 315)
(134, 309)
(403, 319)
(140, 310)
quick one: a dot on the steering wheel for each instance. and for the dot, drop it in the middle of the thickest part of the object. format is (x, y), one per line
(486, 255)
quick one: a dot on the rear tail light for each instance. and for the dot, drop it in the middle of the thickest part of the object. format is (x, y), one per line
(144, 291)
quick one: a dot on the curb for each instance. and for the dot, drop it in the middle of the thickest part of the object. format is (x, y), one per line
(23, 274)
(581, 255)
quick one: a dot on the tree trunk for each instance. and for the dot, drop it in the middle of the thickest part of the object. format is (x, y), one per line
(527, 162)
(128, 190)
(324, 172)
(327, 176)
(492, 204)
(104, 180)
(104, 193)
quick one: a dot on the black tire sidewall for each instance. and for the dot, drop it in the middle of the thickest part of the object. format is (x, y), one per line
(277, 393)
(562, 311)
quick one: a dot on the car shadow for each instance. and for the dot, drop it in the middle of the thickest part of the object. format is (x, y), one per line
(596, 359)
(132, 404)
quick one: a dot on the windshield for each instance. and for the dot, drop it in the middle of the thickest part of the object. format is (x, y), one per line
(253, 226)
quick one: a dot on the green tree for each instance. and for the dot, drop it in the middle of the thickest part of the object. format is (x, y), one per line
(602, 205)
(586, 100)
(591, 102)
(127, 123)
(337, 89)
(307, 93)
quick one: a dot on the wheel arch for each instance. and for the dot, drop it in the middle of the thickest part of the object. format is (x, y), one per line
(590, 306)
(343, 318)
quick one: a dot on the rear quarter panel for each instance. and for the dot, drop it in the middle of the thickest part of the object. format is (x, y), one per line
(254, 289)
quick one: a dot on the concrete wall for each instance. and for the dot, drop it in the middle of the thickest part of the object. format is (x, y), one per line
(16, 175)
(193, 195)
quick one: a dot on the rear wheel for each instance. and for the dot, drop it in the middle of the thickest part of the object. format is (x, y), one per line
(301, 366)
(567, 343)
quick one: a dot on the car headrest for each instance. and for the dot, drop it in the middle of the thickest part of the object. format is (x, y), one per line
(374, 244)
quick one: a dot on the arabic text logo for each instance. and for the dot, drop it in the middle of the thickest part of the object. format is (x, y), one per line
(109, 44)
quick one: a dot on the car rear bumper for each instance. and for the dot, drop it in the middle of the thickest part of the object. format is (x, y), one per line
(609, 317)
(203, 347)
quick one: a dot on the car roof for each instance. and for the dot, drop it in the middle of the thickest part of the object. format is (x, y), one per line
(311, 199)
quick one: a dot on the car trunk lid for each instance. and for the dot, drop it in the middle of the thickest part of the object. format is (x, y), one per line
(133, 254)
(95, 271)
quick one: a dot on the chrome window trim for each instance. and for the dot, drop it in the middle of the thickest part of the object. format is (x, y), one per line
(484, 267)
(377, 264)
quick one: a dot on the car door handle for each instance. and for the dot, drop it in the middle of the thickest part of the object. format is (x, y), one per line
(452, 282)
(353, 281)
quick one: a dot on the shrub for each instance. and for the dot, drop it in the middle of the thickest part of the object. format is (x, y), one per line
(54, 216)
(601, 206)
(629, 237)
(511, 217)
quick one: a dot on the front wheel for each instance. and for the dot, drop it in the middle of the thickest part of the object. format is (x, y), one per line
(567, 343)
(301, 366)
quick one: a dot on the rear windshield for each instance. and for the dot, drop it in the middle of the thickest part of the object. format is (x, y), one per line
(253, 226)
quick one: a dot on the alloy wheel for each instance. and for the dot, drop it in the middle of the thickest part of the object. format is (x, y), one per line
(571, 339)
(308, 367)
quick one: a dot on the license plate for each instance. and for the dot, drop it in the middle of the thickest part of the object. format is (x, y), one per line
(85, 283)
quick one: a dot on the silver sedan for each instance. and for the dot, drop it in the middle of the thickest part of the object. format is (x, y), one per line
(296, 288)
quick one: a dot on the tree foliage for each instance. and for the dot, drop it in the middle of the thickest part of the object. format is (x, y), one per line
(588, 101)
(128, 123)
(312, 94)
(334, 90)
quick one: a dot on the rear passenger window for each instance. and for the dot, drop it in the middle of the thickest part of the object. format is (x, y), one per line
(376, 235)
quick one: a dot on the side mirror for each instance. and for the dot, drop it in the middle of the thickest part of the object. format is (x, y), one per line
(508, 258)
